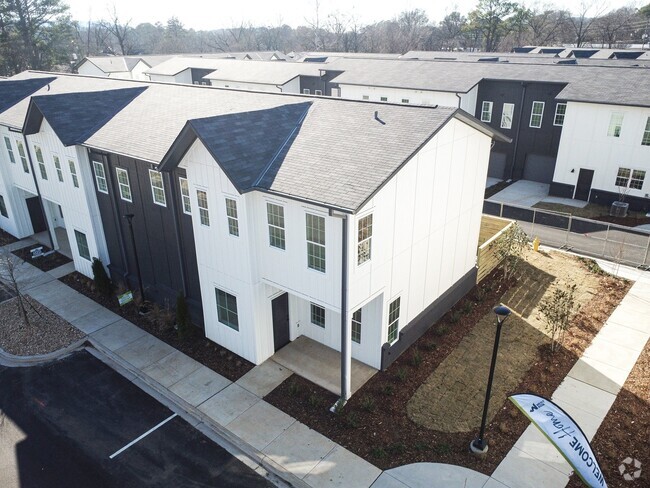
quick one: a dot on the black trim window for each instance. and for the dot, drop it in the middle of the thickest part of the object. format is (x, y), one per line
(317, 315)
(231, 214)
(100, 176)
(185, 195)
(356, 327)
(227, 309)
(393, 320)
(405, 100)
(560, 112)
(10, 150)
(615, 125)
(645, 141)
(364, 239)
(57, 166)
(202, 202)
(73, 173)
(275, 219)
(124, 184)
(3, 207)
(82, 244)
(537, 115)
(23, 156)
(315, 242)
(384, 99)
(157, 188)
(41, 162)
(506, 115)
(486, 112)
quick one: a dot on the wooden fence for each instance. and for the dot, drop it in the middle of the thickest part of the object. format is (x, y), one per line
(492, 229)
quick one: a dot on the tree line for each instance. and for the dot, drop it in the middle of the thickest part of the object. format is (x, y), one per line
(41, 34)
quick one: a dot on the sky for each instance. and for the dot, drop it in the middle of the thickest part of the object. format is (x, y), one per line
(214, 14)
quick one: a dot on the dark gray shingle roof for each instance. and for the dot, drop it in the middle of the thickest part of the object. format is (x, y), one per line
(13, 91)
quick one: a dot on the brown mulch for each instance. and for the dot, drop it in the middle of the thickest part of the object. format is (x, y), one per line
(6, 238)
(625, 429)
(494, 189)
(374, 424)
(46, 331)
(626, 221)
(44, 263)
(159, 322)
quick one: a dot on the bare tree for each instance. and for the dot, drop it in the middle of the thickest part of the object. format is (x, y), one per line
(452, 30)
(120, 31)
(9, 272)
(583, 22)
(615, 26)
(547, 26)
(412, 26)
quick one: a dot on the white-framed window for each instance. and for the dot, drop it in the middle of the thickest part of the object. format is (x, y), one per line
(645, 141)
(185, 195)
(41, 162)
(23, 156)
(123, 183)
(315, 227)
(10, 150)
(630, 178)
(356, 327)
(405, 100)
(157, 188)
(57, 166)
(82, 244)
(73, 173)
(636, 182)
(486, 111)
(364, 239)
(202, 202)
(275, 219)
(393, 320)
(536, 115)
(506, 115)
(560, 112)
(383, 99)
(100, 176)
(306, 91)
(615, 125)
(317, 315)
(3, 208)
(318, 92)
(231, 214)
(227, 309)
(623, 177)
(365, 97)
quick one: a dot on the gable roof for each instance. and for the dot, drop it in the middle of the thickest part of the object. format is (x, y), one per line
(13, 91)
(263, 72)
(76, 116)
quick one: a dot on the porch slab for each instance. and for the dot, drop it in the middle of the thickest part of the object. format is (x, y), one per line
(263, 379)
(321, 365)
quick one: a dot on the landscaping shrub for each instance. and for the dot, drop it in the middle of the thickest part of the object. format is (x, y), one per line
(102, 282)
(454, 317)
(352, 420)
(557, 311)
(387, 390)
(378, 452)
(467, 307)
(443, 448)
(440, 330)
(313, 400)
(368, 403)
(480, 295)
(401, 374)
(431, 345)
(183, 324)
(294, 388)
(417, 357)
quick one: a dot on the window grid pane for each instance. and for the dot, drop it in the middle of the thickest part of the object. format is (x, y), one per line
(393, 320)
(275, 219)
(100, 177)
(356, 326)
(315, 242)
(536, 115)
(231, 212)
(615, 124)
(317, 315)
(202, 200)
(560, 111)
(41, 162)
(364, 239)
(623, 177)
(646, 134)
(10, 150)
(73, 173)
(486, 112)
(123, 183)
(3, 207)
(23, 156)
(227, 309)
(82, 245)
(157, 188)
(185, 195)
(506, 115)
(636, 182)
(57, 165)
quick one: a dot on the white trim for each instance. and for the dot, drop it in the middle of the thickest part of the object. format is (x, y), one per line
(152, 173)
(556, 114)
(533, 114)
(512, 115)
(183, 196)
(98, 178)
(120, 185)
(488, 119)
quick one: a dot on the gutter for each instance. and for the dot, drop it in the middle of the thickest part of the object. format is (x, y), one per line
(521, 111)
(38, 192)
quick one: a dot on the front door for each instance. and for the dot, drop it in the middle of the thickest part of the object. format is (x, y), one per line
(280, 311)
(584, 184)
(36, 214)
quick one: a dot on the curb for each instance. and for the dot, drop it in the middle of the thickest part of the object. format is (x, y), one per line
(14, 361)
(234, 444)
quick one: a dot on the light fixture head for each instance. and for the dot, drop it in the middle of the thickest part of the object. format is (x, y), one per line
(501, 313)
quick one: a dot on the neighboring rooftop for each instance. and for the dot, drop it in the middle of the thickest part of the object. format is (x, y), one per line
(13, 91)
(263, 72)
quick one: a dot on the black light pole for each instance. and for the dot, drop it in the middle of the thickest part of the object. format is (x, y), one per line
(479, 445)
(129, 219)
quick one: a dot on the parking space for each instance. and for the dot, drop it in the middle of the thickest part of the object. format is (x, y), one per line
(76, 422)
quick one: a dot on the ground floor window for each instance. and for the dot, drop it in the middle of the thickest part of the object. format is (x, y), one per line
(356, 326)
(3, 207)
(82, 245)
(227, 309)
(317, 315)
(627, 177)
(393, 320)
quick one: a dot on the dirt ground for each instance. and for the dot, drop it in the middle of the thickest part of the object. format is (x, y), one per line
(596, 212)
(6, 238)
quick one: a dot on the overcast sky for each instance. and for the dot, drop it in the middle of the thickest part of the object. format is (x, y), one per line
(213, 14)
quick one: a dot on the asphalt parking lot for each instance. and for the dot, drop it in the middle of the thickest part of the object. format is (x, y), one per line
(77, 423)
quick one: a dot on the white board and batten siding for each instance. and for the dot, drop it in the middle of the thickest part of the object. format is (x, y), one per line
(79, 205)
(585, 144)
(426, 223)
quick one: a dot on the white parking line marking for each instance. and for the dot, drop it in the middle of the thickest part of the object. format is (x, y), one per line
(142, 436)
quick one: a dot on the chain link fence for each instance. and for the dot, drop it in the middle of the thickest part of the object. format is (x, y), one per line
(594, 238)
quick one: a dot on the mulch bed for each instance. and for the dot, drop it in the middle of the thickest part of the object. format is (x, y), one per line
(626, 221)
(374, 424)
(159, 322)
(624, 431)
(494, 189)
(6, 238)
(44, 263)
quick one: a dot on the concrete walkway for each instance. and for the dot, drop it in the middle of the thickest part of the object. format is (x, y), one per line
(523, 192)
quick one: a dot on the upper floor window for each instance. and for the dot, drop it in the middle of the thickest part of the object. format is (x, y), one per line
(100, 176)
(23, 156)
(393, 320)
(486, 112)
(41, 162)
(124, 184)
(185, 195)
(3, 207)
(57, 166)
(157, 188)
(560, 112)
(364, 239)
(73, 173)
(615, 125)
(10, 150)
(82, 244)
(231, 214)
(202, 201)
(317, 315)
(506, 115)
(315, 242)
(536, 115)
(227, 309)
(356, 326)
(646, 134)
(275, 219)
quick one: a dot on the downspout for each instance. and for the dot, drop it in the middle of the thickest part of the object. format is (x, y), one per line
(521, 111)
(346, 346)
(38, 192)
(177, 227)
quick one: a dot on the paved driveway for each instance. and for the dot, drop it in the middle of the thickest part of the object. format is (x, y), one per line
(76, 422)
(523, 192)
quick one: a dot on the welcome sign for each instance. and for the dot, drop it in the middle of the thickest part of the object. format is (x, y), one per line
(564, 434)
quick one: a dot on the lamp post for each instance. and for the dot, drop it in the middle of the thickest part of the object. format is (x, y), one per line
(129, 219)
(479, 445)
